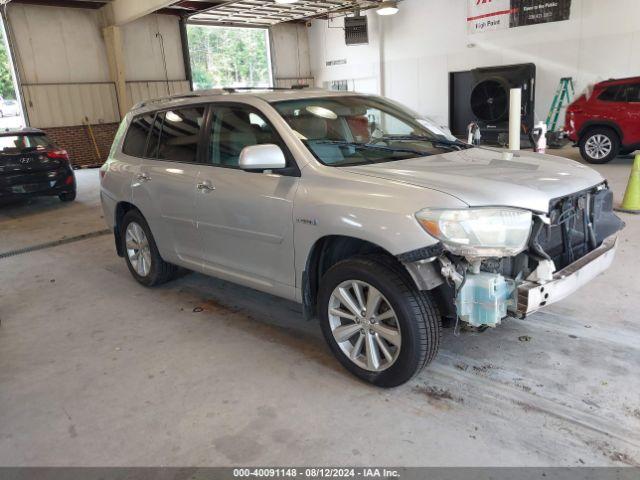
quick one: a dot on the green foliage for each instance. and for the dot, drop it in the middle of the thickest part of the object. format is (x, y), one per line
(6, 80)
(228, 57)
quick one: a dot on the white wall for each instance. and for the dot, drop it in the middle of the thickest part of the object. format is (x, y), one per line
(326, 44)
(428, 39)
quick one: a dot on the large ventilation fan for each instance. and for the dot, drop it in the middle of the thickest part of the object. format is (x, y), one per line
(482, 96)
(490, 100)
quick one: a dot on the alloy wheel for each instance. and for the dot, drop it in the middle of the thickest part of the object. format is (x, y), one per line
(138, 249)
(598, 146)
(364, 325)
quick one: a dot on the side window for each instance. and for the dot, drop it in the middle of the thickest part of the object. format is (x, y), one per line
(632, 93)
(610, 94)
(234, 128)
(180, 134)
(136, 139)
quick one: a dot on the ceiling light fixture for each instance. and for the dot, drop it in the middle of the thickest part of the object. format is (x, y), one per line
(388, 8)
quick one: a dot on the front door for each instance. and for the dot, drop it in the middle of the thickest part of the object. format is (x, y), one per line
(245, 218)
(165, 186)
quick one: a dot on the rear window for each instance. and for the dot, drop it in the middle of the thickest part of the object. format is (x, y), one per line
(23, 143)
(173, 135)
(136, 140)
(610, 94)
(632, 93)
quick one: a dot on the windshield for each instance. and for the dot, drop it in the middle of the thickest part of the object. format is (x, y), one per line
(23, 143)
(356, 130)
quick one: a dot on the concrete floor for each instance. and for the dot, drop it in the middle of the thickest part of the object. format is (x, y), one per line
(96, 370)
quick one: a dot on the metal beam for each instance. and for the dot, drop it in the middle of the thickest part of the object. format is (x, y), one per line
(120, 12)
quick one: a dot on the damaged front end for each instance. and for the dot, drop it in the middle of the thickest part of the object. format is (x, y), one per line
(562, 250)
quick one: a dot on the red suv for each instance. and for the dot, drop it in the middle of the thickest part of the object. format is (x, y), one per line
(606, 122)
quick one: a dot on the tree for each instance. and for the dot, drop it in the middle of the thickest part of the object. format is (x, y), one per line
(228, 57)
(7, 89)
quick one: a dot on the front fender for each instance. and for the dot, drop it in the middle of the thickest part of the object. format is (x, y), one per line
(378, 211)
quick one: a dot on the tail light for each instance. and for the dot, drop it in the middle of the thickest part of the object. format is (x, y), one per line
(58, 154)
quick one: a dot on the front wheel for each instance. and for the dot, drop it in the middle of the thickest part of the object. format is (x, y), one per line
(599, 145)
(378, 325)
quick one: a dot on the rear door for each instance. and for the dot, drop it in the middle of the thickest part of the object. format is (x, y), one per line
(164, 187)
(630, 114)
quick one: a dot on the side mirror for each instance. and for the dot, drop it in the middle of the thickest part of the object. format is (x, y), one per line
(262, 157)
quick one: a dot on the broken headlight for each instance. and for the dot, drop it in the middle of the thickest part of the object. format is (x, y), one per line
(479, 232)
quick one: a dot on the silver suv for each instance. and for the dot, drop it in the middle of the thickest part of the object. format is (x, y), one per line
(379, 222)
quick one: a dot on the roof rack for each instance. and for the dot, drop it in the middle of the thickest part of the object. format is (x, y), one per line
(178, 96)
(624, 79)
(275, 89)
(213, 91)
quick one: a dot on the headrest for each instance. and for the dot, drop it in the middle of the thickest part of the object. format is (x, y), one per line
(313, 128)
(236, 120)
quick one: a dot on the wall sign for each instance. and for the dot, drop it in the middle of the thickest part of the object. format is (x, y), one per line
(487, 15)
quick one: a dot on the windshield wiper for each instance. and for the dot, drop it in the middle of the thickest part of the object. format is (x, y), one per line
(368, 146)
(423, 138)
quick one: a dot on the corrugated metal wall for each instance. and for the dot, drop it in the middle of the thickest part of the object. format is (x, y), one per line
(64, 105)
(139, 91)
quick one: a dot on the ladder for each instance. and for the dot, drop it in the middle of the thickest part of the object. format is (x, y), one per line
(563, 97)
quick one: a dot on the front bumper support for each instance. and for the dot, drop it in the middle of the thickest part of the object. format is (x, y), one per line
(533, 296)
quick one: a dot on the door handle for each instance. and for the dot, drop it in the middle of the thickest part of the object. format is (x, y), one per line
(143, 177)
(205, 186)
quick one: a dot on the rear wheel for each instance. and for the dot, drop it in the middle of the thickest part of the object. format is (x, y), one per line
(378, 325)
(67, 196)
(599, 145)
(141, 253)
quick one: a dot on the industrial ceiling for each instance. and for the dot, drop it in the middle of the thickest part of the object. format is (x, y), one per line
(268, 12)
(238, 12)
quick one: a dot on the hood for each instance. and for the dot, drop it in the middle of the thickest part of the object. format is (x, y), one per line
(484, 177)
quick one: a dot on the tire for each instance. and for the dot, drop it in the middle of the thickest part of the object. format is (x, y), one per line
(67, 196)
(159, 271)
(599, 145)
(416, 318)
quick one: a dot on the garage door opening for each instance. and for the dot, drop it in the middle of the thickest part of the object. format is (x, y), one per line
(10, 106)
(229, 57)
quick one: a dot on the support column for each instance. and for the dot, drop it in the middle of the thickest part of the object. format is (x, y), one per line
(115, 55)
